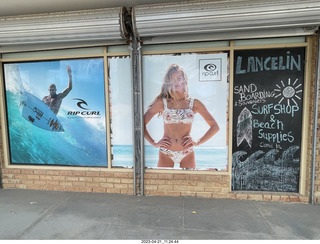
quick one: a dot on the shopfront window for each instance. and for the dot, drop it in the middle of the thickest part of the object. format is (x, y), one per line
(267, 119)
(186, 102)
(56, 112)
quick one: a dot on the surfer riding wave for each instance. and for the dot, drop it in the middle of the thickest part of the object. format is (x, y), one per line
(54, 100)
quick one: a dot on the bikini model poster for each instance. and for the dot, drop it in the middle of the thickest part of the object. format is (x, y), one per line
(169, 125)
(56, 112)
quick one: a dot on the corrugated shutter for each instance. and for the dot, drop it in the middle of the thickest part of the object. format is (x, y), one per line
(100, 25)
(235, 19)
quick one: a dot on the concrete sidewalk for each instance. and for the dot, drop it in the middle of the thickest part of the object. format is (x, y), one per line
(37, 215)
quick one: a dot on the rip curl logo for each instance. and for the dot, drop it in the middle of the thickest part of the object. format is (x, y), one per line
(210, 69)
(80, 103)
(85, 112)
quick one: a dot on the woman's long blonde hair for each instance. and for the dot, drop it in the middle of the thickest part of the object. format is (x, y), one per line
(167, 90)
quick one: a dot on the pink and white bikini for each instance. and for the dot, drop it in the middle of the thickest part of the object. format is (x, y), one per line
(176, 116)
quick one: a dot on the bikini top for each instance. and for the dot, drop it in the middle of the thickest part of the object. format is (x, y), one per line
(175, 116)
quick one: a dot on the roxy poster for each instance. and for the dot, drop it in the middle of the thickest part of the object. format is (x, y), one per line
(267, 119)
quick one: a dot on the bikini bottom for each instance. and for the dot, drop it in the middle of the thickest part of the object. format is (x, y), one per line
(176, 156)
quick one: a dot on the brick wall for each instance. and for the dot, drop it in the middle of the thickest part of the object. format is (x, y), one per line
(211, 185)
(68, 180)
(197, 185)
(160, 184)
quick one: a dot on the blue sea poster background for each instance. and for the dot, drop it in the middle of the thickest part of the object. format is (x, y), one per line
(83, 143)
(120, 95)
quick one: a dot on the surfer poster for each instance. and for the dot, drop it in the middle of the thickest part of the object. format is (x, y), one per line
(185, 111)
(56, 112)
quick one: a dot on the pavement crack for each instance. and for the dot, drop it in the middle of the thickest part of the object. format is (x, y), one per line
(183, 210)
(265, 220)
(43, 215)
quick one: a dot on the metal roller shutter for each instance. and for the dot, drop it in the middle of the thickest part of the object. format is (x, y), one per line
(226, 19)
(74, 27)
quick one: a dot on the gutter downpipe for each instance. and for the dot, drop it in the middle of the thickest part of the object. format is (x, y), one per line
(315, 126)
(133, 73)
(141, 118)
(137, 116)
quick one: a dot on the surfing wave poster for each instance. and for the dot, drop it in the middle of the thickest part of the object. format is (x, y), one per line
(56, 112)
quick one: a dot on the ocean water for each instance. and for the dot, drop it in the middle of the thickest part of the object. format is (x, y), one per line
(81, 144)
(207, 158)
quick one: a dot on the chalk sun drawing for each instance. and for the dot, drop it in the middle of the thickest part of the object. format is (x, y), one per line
(288, 92)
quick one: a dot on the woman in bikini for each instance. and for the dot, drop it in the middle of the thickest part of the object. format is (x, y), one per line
(178, 110)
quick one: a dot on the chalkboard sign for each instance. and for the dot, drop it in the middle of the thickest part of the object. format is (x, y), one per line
(267, 119)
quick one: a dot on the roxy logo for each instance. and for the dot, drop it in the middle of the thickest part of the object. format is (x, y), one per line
(210, 69)
(85, 111)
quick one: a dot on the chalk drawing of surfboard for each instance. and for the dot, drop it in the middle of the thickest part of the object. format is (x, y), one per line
(38, 113)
